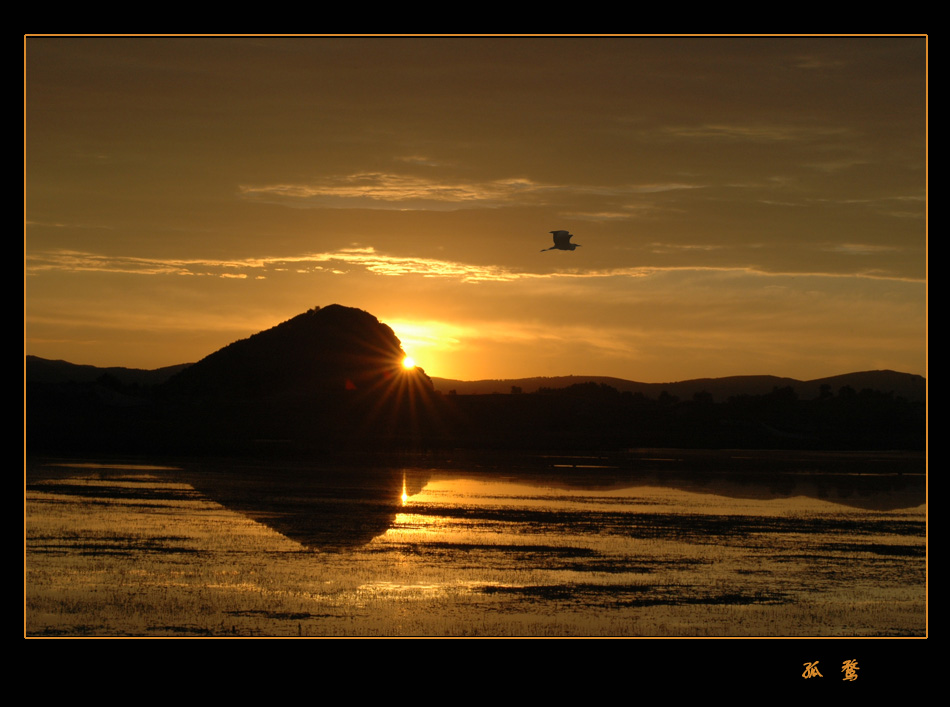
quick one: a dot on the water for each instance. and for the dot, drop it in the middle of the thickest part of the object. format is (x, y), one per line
(557, 547)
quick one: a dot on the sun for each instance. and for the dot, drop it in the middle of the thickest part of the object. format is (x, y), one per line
(408, 363)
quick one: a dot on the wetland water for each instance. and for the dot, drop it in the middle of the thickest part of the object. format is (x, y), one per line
(784, 545)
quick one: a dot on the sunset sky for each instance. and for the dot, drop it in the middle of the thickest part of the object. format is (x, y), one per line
(743, 205)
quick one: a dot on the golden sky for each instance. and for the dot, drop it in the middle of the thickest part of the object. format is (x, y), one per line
(743, 205)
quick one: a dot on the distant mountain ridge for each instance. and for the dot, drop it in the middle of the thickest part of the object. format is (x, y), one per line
(44, 370)
(907, 385)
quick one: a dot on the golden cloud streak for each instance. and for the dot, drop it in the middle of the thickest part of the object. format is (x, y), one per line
(366, 258)
(405, 191)
(369, 260)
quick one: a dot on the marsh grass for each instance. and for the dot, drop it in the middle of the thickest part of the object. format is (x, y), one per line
(135, 553)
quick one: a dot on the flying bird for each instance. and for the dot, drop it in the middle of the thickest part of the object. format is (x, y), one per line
(562, 241)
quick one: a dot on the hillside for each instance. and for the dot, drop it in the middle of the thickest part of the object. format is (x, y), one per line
(323, 350)
(330, 378)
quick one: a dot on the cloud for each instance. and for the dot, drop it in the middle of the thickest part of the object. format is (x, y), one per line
(381, 190)
(811, 62)
(346, 261)
(599, 216)
(61, 224)
(392, 191)
(682, 247)
(860, 248)
(753, 133)
(656, 188)
(366, 257)
(833, 166)
(78, 261)
(420, 160)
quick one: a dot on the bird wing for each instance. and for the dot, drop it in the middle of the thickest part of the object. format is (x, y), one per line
(561, 238)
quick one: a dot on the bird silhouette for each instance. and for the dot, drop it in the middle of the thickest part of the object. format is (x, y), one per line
(562, 241)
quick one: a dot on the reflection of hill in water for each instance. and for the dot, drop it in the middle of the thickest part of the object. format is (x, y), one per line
(869, 480)
(336, 508)
(878, 492)
(323, 509)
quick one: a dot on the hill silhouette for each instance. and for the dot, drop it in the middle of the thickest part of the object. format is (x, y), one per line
(328, 379)
(320, 352)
